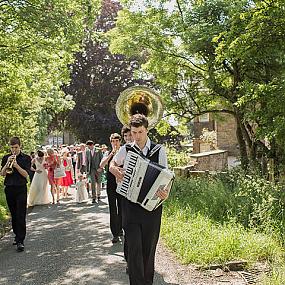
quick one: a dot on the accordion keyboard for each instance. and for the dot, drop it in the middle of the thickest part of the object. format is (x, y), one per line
(142, 179)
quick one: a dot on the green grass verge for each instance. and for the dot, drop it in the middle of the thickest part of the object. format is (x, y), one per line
(197, 239)
(3, 205)
(203, 222)
(276, 277)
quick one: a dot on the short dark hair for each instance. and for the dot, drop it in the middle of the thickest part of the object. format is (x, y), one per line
(15, 140)
(40, 153)
(89, 142)
(115, 136)
(138, 120)
(125, 129)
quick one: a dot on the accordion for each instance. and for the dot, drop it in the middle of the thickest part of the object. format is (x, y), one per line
(142, 179)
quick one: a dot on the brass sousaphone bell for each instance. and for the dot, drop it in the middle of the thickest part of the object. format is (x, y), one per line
(139, 100)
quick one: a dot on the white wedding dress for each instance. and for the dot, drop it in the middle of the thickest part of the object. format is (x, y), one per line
(39, 193)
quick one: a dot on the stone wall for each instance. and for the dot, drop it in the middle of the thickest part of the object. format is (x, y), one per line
(225, 128)
(226, 134)
(215, 160)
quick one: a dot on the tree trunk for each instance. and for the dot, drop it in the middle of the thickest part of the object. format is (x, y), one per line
(242, 144)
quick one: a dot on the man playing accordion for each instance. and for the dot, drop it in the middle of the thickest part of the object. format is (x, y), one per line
(141, 226)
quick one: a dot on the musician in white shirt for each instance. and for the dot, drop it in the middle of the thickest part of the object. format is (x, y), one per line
(141, 227)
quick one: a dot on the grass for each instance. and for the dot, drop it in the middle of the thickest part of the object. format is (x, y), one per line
(277, 276)
(206, 222)
(3, 205)
(198, 239)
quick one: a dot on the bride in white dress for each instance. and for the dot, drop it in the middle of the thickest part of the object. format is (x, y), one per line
(39, 194)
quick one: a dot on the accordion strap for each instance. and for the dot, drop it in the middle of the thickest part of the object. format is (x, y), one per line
(153, 149)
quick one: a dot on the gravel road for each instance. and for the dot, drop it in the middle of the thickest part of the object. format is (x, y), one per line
(70, 243)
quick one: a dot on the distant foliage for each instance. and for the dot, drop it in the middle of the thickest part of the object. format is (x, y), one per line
(98, 78)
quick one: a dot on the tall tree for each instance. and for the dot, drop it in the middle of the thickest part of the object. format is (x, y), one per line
(218, 56)
(98, 77)
(37, 40)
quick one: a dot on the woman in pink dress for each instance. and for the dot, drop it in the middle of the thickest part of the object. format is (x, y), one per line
(67, 180)
(51, 163)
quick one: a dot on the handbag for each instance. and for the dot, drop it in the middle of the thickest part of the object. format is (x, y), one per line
(59, 171)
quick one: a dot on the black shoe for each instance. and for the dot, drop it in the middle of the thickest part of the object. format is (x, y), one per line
(93, 201)
(14, 242)
(20, 247)
(115, 239)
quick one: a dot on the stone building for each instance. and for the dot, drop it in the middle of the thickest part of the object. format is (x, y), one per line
(225, 130)
(59, 138)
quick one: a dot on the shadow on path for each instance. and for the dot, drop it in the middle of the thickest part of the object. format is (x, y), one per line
(67, 243)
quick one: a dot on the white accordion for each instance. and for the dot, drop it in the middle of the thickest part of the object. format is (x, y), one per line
(142, 179)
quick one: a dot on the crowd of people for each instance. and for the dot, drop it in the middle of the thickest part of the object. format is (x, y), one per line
(55, 169)
(90, 167)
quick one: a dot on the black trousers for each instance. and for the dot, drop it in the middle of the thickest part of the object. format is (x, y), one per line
(142, 240)
(16, 197)
(115, 209)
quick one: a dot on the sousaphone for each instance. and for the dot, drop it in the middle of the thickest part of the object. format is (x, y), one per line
(139, 100)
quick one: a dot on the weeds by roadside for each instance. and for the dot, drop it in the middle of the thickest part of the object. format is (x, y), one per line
(222, 218)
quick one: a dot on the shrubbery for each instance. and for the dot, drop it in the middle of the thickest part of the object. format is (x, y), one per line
(176, 158)
(225, 217)
(249, 200)
(3, 204)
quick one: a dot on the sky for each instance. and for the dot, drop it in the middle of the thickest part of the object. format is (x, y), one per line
(140, 4)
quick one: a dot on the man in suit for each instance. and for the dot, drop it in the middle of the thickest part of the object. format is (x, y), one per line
(114, 199)
(81, 159)
(15, 167)
(94, 171)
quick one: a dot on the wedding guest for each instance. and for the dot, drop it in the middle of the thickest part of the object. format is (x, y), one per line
(105, 153)
(51, 164)
(81, 191)
(32, 171)
(93, 159)
(39, 194)
(67, 179)
(73, 155)
(81, 158)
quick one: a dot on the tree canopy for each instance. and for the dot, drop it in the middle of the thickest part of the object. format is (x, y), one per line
(218, 56)
(97, 79)
(37, 41)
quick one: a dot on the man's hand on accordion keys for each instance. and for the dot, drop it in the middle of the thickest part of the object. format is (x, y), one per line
(162, 192)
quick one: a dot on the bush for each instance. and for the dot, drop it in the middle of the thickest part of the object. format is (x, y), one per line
(176, 158)
(249, 200)
(224, 217)
(3, 205)
(257, 203)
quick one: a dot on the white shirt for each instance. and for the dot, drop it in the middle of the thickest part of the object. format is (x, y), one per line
(120, 156)
(84, 157)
